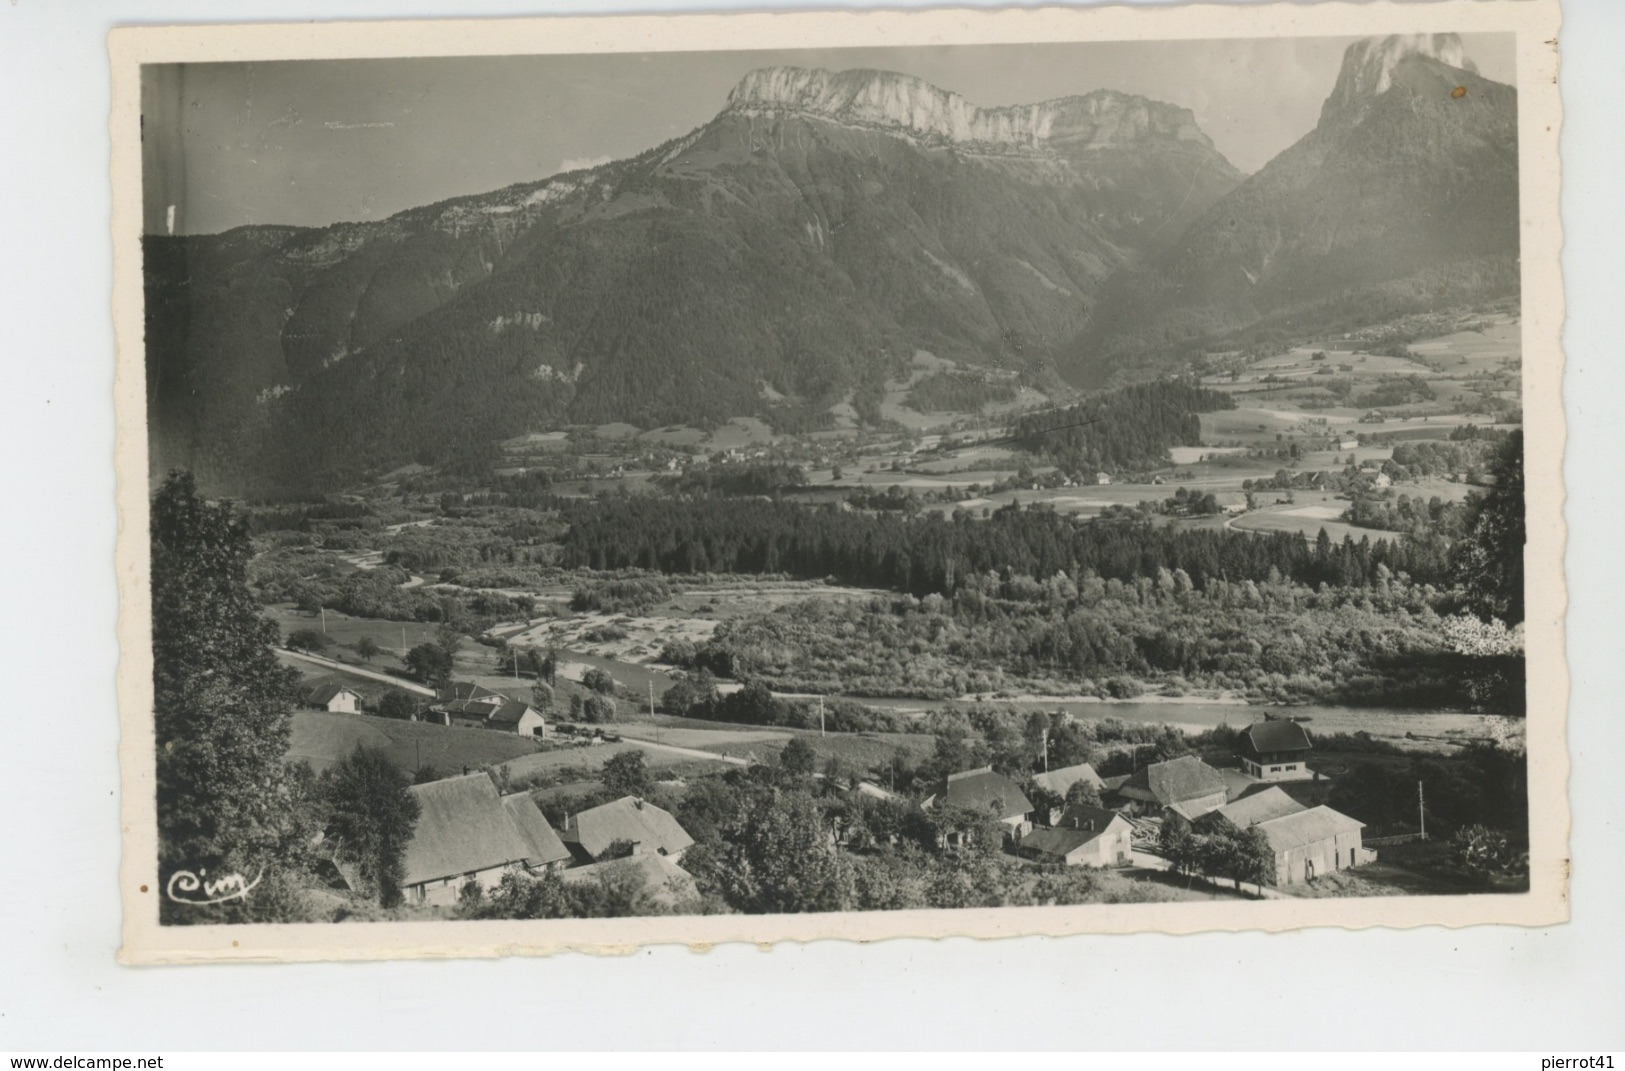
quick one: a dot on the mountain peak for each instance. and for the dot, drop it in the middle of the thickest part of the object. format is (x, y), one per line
(1369, 65)
(916, 108)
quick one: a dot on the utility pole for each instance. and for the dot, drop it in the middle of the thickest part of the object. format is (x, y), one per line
(1046, 749)
(652, 710)
(820, 715)
(1421, 811)
(403, 641)
(323, 610)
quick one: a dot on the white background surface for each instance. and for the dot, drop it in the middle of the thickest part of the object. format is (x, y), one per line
(1561, 989)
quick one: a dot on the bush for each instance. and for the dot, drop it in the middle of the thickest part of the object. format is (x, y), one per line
(308, 639)
(397, 704)
(1124, 688)
(599, 681)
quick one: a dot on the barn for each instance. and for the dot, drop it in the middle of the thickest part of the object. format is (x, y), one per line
(1311, 843)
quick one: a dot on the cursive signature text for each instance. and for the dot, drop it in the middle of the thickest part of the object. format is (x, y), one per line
(185, 887)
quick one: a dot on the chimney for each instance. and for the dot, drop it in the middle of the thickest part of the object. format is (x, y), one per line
(638, 803)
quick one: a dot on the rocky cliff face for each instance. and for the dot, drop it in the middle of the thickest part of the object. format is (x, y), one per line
(915, 108)
(1403, 198)
(1369, 66)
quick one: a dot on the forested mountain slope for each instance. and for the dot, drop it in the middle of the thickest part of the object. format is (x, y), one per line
(808, 240)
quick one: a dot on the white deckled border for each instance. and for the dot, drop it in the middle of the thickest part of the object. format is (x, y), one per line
(1535, 22)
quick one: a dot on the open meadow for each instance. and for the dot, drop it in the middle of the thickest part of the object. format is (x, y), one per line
(321, 739)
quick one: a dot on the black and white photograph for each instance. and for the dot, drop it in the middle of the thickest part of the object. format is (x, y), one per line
(998, 486)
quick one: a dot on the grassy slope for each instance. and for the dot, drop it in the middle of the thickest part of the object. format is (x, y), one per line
(322, 738)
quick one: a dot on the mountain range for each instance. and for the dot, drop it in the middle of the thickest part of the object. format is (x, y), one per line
(795, 251)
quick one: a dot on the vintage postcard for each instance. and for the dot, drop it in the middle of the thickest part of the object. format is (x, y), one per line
(593, 482)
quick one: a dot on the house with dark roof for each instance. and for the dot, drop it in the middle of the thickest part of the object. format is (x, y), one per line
(1084, 836)
(1313, 842)
(467, 713)
(647, 828)
(334, 698)
(464, 833)
(1276, 750)
(668, 884)
(1251, 810)
(468, 690)
(1186, 787)
(987, 792)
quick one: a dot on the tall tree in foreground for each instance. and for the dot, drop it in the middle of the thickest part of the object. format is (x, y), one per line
(626, 773)
(371, 818)
(777, 857)
(221, 705)
(1489, 559)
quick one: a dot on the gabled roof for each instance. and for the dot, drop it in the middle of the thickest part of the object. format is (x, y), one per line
(1059, 781)
(468, 708)
(649, 827)
(1083, 817)
(983, 790)
(512, 712)
(1307, 827)
(1178, 780)
(1062, 840)
(542, 843)
(1266, 736)
(469, 690)
(668, 883)
(462, 828)
(323, 694)
(1191, 810)
(1260, 807)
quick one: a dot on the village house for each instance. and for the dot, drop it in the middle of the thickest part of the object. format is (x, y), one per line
(1103, 478)
(467, 713)
(469, 691)
(544, 851)
(1185, 787)
(1265, 806)
(471, 706)
(1314, 842)
(333, 698)
(1061, 781)
(465, 832)
(647, 828)
(986, 792)
(668, 884)
(516, 717)
(1276, 751)
(1084, 836)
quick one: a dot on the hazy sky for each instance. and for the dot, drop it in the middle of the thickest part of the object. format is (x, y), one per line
(314, 142)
